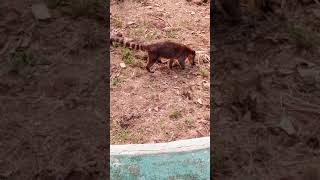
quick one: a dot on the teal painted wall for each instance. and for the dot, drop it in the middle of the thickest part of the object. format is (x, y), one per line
(188, 165)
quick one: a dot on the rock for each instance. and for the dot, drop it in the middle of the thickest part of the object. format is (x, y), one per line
(122, 65)
(159, 24)
(193, 13)
(156, 109)
(131, 22)
(40, 11)
(167, 29)
(186, 93)
(200, 101)
(250, 47)
(309, 73)
(206, 85)
(286, 125)
(25, 42)
(247, 116)
(149, 7)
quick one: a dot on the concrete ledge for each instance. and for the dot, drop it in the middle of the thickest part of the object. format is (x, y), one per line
(183, 159)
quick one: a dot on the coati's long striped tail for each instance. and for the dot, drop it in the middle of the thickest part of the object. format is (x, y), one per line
(128, 44)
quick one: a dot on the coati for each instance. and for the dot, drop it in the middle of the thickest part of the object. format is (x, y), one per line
(162, 49)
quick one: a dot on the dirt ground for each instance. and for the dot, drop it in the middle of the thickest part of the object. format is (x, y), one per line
(169, 104)
(266, 96)
(52, 92)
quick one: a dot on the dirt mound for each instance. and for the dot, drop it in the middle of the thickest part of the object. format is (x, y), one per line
(266, 86)
(52, 81)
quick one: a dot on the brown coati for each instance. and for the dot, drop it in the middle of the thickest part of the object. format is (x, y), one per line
(162, 49)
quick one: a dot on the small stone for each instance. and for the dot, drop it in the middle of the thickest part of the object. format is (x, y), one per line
(192, 13)
(122, 65)
(200, 101)
(167, 29)
(206, 84)
(287, 126)
(156, 109)
(37, 123)
(175, 77)
(40, 11)
(247, 116)
(149, 7)
(25, 42)
(130, 22)
(250, 47)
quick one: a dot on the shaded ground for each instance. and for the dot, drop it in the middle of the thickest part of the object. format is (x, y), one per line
(52, 113)
(267, 97)
(167, 105)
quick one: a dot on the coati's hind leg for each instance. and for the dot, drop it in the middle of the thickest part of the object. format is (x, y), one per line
(171, 61)
(151, 60)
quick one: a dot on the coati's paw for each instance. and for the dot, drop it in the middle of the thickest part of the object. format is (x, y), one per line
(149, 70)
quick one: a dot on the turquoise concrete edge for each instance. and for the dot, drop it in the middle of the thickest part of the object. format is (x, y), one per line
(177, 160)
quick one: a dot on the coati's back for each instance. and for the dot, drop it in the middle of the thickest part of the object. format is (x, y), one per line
(169, 49)
(164, 48)
(161, 49)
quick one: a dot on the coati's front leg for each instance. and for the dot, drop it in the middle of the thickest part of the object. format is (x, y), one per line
(182, 62)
